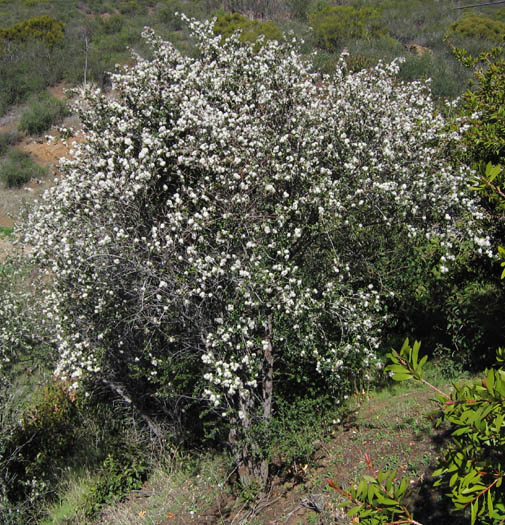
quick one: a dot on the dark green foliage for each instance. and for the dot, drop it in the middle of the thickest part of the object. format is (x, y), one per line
(119, 475)
(111, 24)
(499, 14)
(6, 140)
(479, 26)
(291, 449)
(333, 25)
(227, 24)
(457, 314)
(17, 168)
(44, 28)
(486, 138)
(55, 430)
(377, 499)
(445, 83)
(42, 114)
(131, 7)
(358, 62)
(167, 13)
(28, 68)
(472, 468)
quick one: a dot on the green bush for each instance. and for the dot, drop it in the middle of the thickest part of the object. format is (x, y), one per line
(111, 25)
(444, 80)
(499, 14)
(18, 168)
(479, 26)
(44, 28)
(484, 105)
(119, 475)
(131, 7)
(41, 114)
(333, 25)
(6, 140)
(470, 470)
(228, 23)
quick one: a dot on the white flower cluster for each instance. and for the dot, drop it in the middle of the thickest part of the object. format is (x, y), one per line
(223, 209)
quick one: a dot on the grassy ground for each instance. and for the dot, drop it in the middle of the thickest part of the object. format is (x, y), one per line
(393, 426)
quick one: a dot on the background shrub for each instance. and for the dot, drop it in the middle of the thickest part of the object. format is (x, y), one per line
(17, 168)
(8, 139)
(479, 26)
(42, 114)
(333, 25)
(226, 24)
(44, 28)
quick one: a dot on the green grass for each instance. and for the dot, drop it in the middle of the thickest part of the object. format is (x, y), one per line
(69, 507)
(186, 487)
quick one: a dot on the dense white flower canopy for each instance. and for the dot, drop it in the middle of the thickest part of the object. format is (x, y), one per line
(225, 212)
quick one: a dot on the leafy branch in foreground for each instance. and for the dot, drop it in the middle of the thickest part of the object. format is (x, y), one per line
(378, 498)
(472, 468)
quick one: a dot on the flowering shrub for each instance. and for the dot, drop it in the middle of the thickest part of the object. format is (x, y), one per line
(221, 236)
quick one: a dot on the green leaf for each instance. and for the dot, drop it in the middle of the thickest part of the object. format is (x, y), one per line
(490, 381)
(397, 369)
(474, 507)
(453, 479)
(492, 171)
(415, 353)
(490, 503)
(402, 377)
(371, 493)
(384, 500)
(353, 511)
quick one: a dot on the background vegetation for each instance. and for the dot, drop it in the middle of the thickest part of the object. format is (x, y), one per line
(52, 439)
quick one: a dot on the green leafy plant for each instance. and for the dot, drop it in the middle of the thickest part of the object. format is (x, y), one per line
(6, 140)
(479, 26)
(44, 28)
(484, 109)
(39, 443)
(472, 468)
(378, 498)
(119, 476)
(18, 168)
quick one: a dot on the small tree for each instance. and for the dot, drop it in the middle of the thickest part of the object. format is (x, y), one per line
(223, 236)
